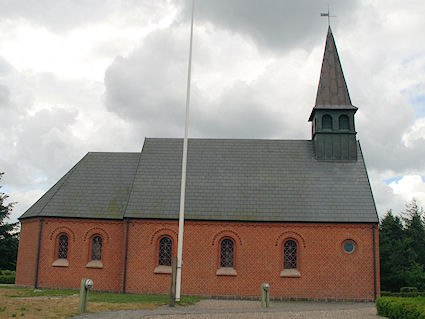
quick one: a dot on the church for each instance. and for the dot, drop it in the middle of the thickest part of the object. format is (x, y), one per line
(297, 214)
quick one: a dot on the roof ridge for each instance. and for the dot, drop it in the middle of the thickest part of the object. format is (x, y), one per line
(96, 152)
(228, 139)
(132, 183)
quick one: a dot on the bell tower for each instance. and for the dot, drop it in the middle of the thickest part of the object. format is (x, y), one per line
(333, 129)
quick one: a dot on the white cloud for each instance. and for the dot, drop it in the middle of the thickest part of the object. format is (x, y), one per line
(101, 75)
(50, 123)
(415, 134)
(75, 40)
(64, 16)
(23, 199)
(83, 51)
(396, 194)
(409, 187)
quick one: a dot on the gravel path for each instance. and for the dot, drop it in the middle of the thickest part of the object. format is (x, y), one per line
(218, 309)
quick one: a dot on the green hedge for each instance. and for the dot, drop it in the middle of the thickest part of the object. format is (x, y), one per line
(408, 289)
(403, 308)
(402, 294)
(7, 277)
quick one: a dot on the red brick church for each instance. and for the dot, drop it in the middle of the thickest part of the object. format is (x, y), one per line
(297, 214)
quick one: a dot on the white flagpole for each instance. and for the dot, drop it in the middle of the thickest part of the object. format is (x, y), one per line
(184, 162)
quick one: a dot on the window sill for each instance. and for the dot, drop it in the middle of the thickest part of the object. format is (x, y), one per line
(226, 271)
(162, 270)
(61, 262)
(290, 273)
(95, 264)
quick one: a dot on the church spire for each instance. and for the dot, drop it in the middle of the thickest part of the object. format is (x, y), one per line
(332, 88)
(332, 117)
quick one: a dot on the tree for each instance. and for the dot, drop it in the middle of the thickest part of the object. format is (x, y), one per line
(8, 235)
(415, 231)
(402, 249)
(392, 254)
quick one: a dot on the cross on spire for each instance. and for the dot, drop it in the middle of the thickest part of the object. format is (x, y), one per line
(327, 14)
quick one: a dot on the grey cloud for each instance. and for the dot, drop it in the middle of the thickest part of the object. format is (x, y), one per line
(272, 24)
(385, 115)
(37, 146)
(384, 149)
(40, 143)
(145, 91)
(58, 15)
(149, 85)
(148, 88)
(399, 159)
(239, 112)
(49, 124)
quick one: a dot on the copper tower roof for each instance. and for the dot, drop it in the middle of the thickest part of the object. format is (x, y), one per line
(332, 92)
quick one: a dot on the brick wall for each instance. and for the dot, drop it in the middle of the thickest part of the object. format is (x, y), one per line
(27, 252)
(326, 270)
(80, 233)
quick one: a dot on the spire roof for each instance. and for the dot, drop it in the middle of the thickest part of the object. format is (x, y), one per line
(332, 92)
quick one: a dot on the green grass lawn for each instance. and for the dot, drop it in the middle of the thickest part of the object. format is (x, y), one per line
(62, 303)
(30, 292)
(96, 296)
(133, 298)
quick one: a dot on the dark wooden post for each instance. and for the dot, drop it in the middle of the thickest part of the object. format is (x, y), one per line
(173, 281)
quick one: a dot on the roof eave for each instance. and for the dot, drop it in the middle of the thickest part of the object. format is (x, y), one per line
(331, 108)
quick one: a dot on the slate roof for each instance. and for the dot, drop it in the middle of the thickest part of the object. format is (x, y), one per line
(227, 179)
(98, 186)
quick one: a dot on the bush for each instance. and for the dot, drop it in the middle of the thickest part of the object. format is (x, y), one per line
(7, 279)
(402, 294)
(7, 276)
(403, 308)
(408, 289)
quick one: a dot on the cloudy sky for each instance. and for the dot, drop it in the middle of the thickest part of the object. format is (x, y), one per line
(101, 75)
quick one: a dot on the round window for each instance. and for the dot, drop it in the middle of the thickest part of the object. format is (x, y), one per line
(348, 246)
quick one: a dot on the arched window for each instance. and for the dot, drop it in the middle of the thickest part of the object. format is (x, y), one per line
(63, 247)
(227, 250)
(165, 249)
(96, 248)
(290, 255)
(326, 122)
(343, 122)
